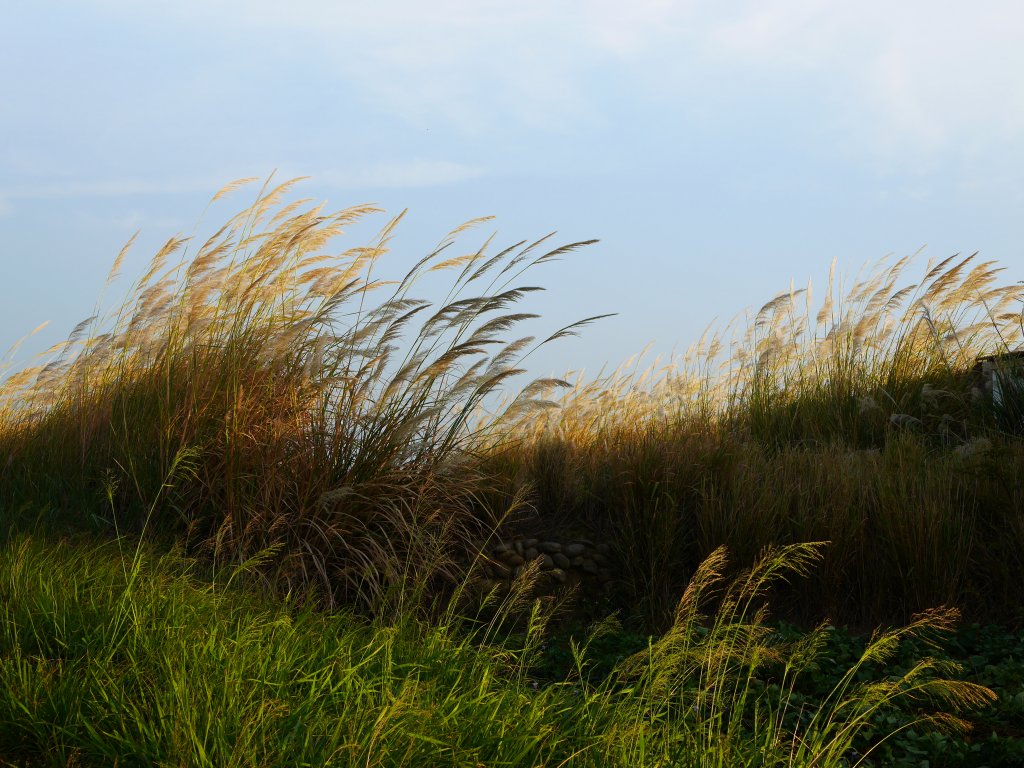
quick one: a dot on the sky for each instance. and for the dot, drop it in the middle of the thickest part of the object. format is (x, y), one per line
(718, 150)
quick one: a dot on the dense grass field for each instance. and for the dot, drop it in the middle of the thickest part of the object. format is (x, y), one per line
(248, 518)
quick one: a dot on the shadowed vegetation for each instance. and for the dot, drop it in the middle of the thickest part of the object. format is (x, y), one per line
(864, 423)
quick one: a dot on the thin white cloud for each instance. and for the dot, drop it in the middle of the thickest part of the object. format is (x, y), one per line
(914, 76)
(474, 63)
(106, 188)
(417, 173)
(139, 220)
(109, 188)
(909, 77)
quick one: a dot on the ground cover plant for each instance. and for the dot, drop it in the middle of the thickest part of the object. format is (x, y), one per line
(989, 655)
(122, 657)
(264, 401)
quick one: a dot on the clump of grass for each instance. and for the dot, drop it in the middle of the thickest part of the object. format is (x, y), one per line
(107, 657)
(324, 411)
(790, 374)
(860, 421)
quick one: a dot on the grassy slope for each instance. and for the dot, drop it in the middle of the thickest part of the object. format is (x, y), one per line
(124, 657)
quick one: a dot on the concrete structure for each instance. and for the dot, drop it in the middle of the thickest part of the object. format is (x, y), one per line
(1001, 376)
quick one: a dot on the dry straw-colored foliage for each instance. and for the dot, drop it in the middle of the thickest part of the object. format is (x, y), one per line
(276, 394)
(871, 340)
(265, 391)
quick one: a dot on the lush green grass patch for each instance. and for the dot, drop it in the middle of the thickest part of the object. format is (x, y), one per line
(126, 657)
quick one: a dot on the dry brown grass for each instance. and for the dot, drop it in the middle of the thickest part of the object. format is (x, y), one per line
(264, 393)
(267, 394)
(856, 422)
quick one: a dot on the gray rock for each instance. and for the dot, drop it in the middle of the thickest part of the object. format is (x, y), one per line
(590, 566)
(561, 560)
(577, 561)
(575, 549)
(557, 574)
(502, 548)
(549, 546)
(598, 558)
(518, 545)
(546, 563)
(513, 559)
(531, 553)
(530, 543)
(604, 548)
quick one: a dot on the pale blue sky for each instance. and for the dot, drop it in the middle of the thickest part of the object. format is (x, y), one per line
(717, 149)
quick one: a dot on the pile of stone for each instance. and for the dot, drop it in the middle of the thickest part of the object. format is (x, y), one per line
(568, 563)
